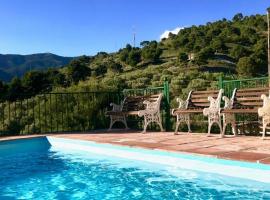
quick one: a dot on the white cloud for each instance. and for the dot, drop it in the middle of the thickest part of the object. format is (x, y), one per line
(166, 33)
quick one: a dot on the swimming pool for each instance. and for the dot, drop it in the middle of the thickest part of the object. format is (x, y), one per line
(56, 168)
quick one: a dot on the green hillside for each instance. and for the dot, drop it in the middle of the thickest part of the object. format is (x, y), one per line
(16, 65)
(192, 59)
(195, 58)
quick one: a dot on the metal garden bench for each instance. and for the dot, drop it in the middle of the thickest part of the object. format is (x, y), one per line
(246, 101)
(206, 102)
(142, 106)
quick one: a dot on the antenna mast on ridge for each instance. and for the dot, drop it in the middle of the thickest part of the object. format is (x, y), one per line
(134, 36)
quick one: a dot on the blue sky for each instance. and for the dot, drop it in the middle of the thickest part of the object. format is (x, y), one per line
(77, 27)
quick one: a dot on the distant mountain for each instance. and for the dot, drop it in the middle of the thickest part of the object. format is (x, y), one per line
(16, 65)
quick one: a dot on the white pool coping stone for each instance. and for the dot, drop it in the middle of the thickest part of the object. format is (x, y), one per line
(252, 171)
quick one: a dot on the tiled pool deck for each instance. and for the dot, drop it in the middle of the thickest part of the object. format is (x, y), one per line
(245, 148)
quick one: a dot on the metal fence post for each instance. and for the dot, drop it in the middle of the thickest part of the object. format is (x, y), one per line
(220, 82)
(167, 104)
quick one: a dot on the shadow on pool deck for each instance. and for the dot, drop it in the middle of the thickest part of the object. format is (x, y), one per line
(245, 148)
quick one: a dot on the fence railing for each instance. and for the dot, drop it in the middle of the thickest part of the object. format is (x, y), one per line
(69, 112)
(84, 111)
(229, 85)
(56, 112)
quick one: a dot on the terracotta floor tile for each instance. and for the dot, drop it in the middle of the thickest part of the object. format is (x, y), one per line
(246, 156)
(209, 151)
(265, 161)
(178, 147)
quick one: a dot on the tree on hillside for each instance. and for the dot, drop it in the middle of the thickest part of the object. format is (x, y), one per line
(3, 89)
(183, 57)
(151, 52)
(114, 66)
(134, 57)
(35, 82)
(238, 17)
(77, 71)
(102, 54)
(15, 89)
(203, 56)
(124, 53)
(144, 43)
(246, 67)
(218, 45)
(238, 51)
(56, 78)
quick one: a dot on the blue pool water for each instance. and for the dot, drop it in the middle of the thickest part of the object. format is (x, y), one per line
(33, 169)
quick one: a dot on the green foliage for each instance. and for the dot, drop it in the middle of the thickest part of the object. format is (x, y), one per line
(183, 57)
(134, 57)
(218, 45)
(98, 69)
(15, 89)
(77, 71)
(130, 55)
(238, 51)
(113, 66)
(238, 17)
(13, 127)
(203, 55)
(56, 78)
(246, 67)
(34, 82)
(151, 52)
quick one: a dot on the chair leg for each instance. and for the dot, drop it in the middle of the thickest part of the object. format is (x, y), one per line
(145, 126)
(209, 128)
(176, 128)
(113, 120)
(264, 130)
(224, 128)
(125, 123)
(161, 127)
(188, 124)
(234, 129)
(111, 124)
(160, 124)
(221, 130)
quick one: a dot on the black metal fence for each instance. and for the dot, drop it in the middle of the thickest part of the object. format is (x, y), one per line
(56, 112)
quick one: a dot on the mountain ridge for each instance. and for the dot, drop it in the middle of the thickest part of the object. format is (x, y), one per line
(12, 65)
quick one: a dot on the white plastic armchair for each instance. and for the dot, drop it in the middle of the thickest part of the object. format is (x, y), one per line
(264, 112)
(183, 117)
(151, 113)
(213, 112)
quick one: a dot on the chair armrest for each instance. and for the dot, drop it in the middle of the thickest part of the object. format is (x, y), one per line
(151, 108)
(146, 102)
(210, 98)
(182, 103)
(116, 107)
(214, 107)
(265, 109)
(228, 102)
(114, 104)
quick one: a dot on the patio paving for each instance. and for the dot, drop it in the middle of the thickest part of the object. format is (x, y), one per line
(244, 148)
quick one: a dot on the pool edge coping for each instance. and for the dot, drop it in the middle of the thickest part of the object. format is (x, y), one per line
(12, 138)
